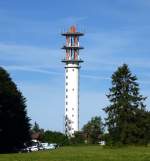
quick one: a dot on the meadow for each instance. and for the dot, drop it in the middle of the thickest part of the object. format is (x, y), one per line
(83, 153)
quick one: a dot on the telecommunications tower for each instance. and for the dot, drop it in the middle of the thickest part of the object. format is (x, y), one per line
(72, 65)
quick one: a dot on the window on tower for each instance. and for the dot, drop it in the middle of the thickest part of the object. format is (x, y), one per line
(66, 103)
(66, 77)
(66, 90)
(66, 83)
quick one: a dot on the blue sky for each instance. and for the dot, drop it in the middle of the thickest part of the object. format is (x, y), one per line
(116, 32)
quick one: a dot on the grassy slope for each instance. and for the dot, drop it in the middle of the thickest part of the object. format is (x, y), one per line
(88, 153)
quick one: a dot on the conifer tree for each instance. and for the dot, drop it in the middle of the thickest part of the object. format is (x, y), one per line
(14, 122)
(126, 114)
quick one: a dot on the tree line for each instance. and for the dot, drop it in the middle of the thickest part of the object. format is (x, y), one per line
(90, 134)
(127, 119)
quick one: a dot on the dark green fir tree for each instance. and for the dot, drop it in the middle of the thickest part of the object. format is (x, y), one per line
(14, 122)
(127, 119)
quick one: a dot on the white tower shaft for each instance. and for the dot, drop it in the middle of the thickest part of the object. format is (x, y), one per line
(72, 97)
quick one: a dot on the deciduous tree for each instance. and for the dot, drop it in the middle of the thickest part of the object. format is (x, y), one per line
(93, 130)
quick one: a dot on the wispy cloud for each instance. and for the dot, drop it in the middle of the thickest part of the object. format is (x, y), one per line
(38, 69)
(32, 69)
(29, 55)
(94, 77)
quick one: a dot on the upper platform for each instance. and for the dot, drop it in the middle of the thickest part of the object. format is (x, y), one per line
(72, 32)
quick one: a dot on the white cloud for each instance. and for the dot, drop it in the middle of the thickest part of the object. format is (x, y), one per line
(88, 76)
(36, 69)
(29, 55)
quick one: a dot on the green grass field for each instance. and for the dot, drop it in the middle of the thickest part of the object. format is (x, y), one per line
(85, 153)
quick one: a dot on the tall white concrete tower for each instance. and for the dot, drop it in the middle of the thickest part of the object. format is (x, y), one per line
(72, 65)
